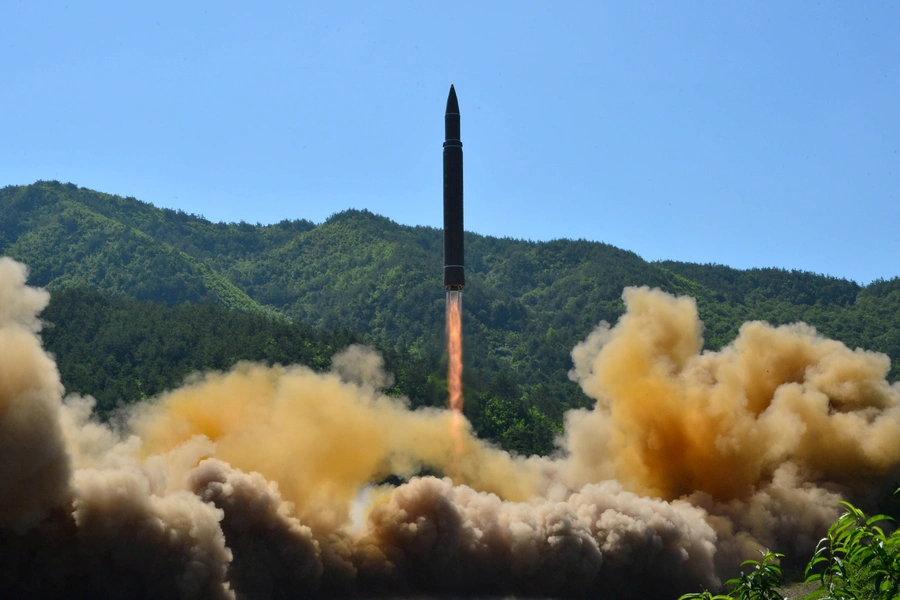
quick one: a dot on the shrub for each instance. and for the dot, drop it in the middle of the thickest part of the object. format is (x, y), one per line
(759, 583)
(857, 559)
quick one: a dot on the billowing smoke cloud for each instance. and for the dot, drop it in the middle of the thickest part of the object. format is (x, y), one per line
(34, 467)
(319, 437)
(768, 433)
(678, 421)
(240, 484)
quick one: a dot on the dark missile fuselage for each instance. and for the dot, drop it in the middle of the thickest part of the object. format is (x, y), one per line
(454, 264)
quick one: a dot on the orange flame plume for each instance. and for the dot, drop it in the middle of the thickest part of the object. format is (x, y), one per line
(454, 369)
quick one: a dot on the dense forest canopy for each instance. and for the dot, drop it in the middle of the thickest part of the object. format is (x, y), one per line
(144, 296)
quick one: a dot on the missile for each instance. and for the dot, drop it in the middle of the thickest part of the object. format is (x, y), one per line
(454, 266)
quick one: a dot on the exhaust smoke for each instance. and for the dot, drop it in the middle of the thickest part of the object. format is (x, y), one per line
(242, 484)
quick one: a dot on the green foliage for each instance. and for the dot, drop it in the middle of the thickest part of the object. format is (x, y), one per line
(761, 581)
(857, 559)
(761, 285)
(519, 424)
(67, 244)
(758, 583)
(120, 350)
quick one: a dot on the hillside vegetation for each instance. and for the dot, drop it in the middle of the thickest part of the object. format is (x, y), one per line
(176, 293)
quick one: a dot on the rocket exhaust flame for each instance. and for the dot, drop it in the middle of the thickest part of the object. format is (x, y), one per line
(454, 366)
(454, 349)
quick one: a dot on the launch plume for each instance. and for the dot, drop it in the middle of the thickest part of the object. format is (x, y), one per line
(677, 421)
(768, 433)
(240, 484)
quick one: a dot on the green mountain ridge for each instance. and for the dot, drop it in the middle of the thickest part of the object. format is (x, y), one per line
(526, 303)
(101, 252)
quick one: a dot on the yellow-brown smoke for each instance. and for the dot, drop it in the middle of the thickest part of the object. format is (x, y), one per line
(321, 438)
(677, 421)
(239, 484)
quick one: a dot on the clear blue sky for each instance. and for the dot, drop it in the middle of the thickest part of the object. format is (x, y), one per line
(750, 134)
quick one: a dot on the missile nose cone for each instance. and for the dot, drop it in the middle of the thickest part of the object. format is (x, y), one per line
(452, 104)
(451, 120)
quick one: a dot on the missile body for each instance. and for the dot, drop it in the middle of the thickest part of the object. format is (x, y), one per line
(454, 265)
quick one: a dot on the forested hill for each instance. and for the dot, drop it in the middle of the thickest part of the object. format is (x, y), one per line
(526, 303)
